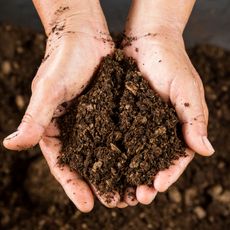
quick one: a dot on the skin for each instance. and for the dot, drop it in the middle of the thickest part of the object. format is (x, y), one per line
(160, 53)
(74, 51)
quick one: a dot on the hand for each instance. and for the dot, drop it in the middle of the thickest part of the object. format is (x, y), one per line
(162, 59)
(77, 41)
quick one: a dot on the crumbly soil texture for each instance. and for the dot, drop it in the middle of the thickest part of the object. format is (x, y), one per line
(119, 132)
(30, 198)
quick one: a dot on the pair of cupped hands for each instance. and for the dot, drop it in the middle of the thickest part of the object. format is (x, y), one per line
(76, 44)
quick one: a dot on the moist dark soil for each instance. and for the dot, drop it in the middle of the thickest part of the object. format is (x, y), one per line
(30, 198)
(119, 133)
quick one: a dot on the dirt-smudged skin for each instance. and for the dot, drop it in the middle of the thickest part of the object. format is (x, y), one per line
(119, 132)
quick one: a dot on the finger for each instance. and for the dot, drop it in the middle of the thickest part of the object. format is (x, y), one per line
(61, 109)
(109, 200)
(145, 194)
(164, 179)
(52, 130)
(130, 197)
(201, 89)
(37, 117)
(76, 189)
(188, 104)
(122, 204)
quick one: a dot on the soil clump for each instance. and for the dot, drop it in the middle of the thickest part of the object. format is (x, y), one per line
(119, 132)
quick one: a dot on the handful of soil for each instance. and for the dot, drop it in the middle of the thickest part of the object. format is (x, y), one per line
(119, 132)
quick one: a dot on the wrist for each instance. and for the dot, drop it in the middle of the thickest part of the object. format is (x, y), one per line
(161, 16)
(80, 15)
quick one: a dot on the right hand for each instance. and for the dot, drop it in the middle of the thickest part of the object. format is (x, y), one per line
(162, 59)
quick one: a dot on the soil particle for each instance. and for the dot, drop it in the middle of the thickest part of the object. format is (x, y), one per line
(68, 181)
(61, 10)
(45, 58)
(20, 50)
(175, 195)
(186, 104)
(113, 214)
(6, 67)
(127, 40)
(190, 195)
(224, 197)
(84, 226)
(58, 27)
(20, 102)
(215, 191)
(119, 132)
(200, 212)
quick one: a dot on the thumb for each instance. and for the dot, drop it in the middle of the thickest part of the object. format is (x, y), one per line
(191, 108)
(37, 117)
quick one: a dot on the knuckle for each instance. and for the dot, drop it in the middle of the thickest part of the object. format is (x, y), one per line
(27, 118)
(197, 120)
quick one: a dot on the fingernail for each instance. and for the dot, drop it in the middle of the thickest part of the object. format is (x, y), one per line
(208, 145)
(154, 195)
(12, 135)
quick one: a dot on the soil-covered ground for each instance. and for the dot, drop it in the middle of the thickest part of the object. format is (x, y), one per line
(31, 199)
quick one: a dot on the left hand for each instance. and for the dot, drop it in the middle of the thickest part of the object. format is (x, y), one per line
(163, 61)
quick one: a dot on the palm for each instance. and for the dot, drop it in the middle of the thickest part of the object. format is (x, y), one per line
(169, 71)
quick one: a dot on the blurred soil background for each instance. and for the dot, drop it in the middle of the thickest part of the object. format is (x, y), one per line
(30, 198)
